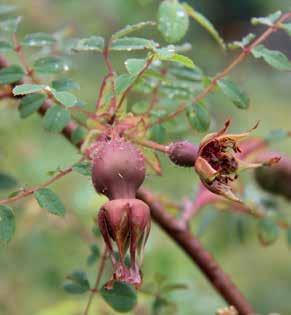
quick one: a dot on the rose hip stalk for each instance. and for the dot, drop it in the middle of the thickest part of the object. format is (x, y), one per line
(118, 170)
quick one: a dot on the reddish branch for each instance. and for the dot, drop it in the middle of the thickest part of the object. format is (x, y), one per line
(194, 249)
(30, 191)
(97, 282)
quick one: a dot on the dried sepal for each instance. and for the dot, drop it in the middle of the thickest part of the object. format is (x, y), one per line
(125, 223)
(218, 163)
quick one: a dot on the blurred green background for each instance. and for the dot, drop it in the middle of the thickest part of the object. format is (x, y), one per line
(45, 248)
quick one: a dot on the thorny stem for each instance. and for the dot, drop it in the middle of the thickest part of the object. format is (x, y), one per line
(5, 94)
(246, 51)
(98, 279)
(30, 191)
(199, 255)
(155, 94)
(124, 95)
(22, 57)
(108, 63)
(101, 91)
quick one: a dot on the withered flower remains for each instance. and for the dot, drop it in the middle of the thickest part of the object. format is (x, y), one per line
(118, 170)
(218, 162)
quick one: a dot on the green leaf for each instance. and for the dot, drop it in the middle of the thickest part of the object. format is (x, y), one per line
(11, 74)
(83, 168)
(65, 84)
(158, 133)
(38, 40)
(65, 98)
(92, 43)
(47, 199)
(7, 8)
(94, 254)
(243, 43)
(30, 104)
(277, 135)
(237, 96)
(78, 283)
(122, 297)
(7, 181)
(186, 73)
(56, 119)
(135, 66)
(287, 28)
(183, 60)
(10, 25)
(15, 193)
(173, 21)
(168, 54)
(132, 28)
(198, 117)
(267, 20)
(274, 58)
(7, 223)
(73, 288)
(165, 53)
(205, 23)
(132, 43)
(153, 74)
(78, 135)
(123, 81)
(5, 46)
(50, 65)
(268, 231)
(28, 88)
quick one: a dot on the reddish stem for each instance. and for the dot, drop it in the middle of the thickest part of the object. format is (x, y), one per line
(126, 92)
(194, 249)
(101, 91)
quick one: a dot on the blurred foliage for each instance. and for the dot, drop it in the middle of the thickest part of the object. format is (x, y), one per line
(45, 249)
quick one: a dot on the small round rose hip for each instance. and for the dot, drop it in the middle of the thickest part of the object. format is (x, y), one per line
(183, 153)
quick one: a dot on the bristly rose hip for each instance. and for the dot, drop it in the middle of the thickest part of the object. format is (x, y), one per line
(118, 170)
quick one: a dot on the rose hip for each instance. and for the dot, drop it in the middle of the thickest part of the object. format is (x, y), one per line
(118, 168)
(183, 153)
